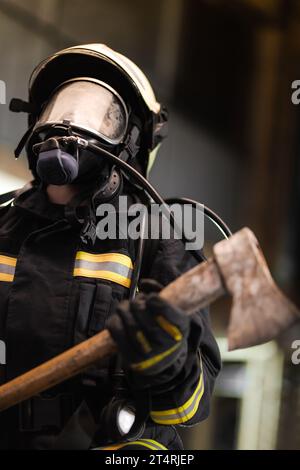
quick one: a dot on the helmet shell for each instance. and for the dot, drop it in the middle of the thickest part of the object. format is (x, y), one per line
(100, 62)
(95, 61)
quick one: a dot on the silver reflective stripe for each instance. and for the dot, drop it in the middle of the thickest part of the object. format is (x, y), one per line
(104, 266)
(113, 267)
(6, 269)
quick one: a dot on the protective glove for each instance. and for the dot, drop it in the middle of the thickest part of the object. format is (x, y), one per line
(151, 336)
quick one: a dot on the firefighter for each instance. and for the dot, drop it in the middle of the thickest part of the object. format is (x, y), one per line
(60, 284)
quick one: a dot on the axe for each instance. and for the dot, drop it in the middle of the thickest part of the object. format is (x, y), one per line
(260, 311)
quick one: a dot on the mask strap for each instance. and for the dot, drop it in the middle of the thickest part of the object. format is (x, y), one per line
(23, 141)
(131, 146)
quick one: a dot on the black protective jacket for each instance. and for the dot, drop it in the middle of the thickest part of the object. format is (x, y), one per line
(56, 291)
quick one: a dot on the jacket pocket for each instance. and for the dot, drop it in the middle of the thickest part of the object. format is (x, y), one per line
(85, 307)
(97, 300)
(101, 308)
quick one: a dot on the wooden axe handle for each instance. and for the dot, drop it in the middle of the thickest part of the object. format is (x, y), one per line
(259, 313)
(194, 289)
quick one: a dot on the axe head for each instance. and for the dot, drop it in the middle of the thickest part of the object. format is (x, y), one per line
(260, 311)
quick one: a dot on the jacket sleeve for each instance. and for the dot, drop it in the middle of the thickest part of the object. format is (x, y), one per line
(185, 400)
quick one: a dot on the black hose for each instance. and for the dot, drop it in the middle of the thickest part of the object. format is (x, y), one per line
(210, 214)
(147, 187)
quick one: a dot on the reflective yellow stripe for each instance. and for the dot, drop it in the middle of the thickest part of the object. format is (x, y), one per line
(8, 260)
(143, 342)
(7, 268)
(107, 275)
(6, 277)
(105, 257)
(154, 360)
(183, 413)
(171, 329)
(115, 267)
(149, 443)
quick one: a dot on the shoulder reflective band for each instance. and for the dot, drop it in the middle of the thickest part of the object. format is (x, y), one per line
(148, 443)
(183, 413)
(7, 268)
(113, 267)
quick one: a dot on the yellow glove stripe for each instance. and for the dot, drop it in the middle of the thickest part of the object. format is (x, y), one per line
(154, 360)
(173, 331)
(143, 342)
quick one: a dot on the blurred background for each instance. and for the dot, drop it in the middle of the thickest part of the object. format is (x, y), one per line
(225, 69)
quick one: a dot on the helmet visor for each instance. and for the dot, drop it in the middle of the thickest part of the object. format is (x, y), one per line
(87, 105)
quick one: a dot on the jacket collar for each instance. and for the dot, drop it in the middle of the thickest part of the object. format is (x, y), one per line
(36, 202)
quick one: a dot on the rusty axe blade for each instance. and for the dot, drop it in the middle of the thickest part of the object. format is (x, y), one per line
(260, 311)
